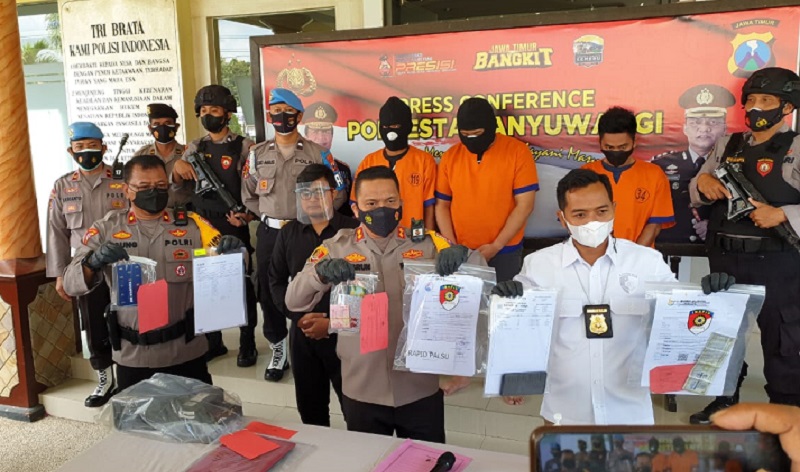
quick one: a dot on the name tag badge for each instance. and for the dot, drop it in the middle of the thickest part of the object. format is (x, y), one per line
(598, 321)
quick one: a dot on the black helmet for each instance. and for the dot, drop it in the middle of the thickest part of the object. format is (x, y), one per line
(214, 95)
(777, 81)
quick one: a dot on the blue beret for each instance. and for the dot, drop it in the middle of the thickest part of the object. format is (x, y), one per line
(84, 130)
(281, 95)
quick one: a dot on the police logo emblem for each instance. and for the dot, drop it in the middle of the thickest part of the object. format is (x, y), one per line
(226, 162)
(629, 282)
(675, 185)
(320, 113)
(448, 296)
(178, 233)
(699, 321)
(180, 270)
(598, 324)
(751, 52)
(764, 166)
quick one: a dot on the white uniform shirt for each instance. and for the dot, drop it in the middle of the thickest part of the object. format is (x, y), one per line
(589, 381)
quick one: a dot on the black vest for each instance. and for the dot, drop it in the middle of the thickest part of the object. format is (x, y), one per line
(761, 165)
(223, 159)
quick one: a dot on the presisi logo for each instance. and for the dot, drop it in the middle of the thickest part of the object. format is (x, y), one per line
(514, 56)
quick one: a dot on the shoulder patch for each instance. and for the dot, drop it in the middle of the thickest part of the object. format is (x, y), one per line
(413, 254)
(90, 233)
(122, 235)
(318, 254)
(355, 258)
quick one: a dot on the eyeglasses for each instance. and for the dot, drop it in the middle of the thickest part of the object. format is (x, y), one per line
(308, 194)
(145, 188)
(710, 122)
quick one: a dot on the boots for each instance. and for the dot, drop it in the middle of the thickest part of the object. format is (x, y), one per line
(279, 363)
(248, 355)
(104, 389)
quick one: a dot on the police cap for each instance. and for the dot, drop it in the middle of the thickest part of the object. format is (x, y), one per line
(161, 110)
(321, 115)
(282, 95)
(777, 81)
(706, 100)
(214, 95)
(84, 130)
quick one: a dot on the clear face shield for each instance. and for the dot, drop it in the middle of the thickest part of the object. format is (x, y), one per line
(314, 202)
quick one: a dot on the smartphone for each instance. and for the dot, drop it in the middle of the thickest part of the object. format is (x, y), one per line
(654, 449)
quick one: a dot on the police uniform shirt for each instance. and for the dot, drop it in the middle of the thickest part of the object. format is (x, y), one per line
(247, 143)
(75, 203)
(587, 379)
(680, 167)
(789, 169)
(178, 195)
(294, 245)
(172, 248)
(271, 178)
(370, 378)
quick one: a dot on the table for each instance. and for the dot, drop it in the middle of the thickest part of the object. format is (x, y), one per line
(328, 450)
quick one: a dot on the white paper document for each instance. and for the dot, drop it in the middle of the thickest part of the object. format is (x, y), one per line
(693, 329)
(443, 323)
(519, 339)
(219, 296)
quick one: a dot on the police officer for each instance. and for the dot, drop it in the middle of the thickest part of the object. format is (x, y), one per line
(750, 249)
(268, 191)
(706, 108)
(313, 351)
(319, 129)
(378, 399)
(147, 230)
(78, 199)
(163, 126)
(226, 154)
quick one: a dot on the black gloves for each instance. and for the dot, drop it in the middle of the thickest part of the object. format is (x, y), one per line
(107, 253)
(717, 282)
(335, 271)
(229, 244)
(450, 259)
(509, 288)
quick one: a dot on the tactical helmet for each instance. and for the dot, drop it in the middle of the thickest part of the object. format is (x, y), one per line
(777, 81)
(214, 95)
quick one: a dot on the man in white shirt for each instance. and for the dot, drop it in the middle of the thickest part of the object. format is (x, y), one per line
(599, 277)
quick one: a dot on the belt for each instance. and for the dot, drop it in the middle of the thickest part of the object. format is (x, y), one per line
(273, 222)
(157, 336)
(751, 245)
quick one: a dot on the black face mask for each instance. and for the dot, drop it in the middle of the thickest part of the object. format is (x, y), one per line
(164, 134)
(284, 123)
(569, 463)
(382, 220)
(477, 113)
(617, 158)
(762, 120)
(214, 124)
(395, 139)
(152, 200)
(89, 159)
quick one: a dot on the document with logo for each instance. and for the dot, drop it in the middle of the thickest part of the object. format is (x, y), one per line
(443, 323)
(219, 293)
(692, 329)
(519, 339)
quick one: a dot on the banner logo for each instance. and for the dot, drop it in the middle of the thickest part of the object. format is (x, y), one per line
(297, 79)
(751, 52)
(384, 68)
(588, 50)
(699, 320)
(419, 63)
(448, 296)
(514, 56)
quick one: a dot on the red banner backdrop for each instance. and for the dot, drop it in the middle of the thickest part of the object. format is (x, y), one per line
(549, 83)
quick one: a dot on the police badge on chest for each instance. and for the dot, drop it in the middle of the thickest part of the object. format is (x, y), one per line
(598, 321)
